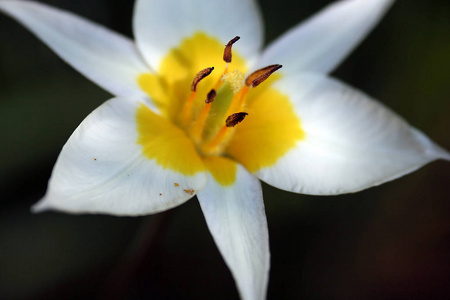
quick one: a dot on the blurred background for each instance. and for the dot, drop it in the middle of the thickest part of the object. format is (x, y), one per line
(388, 242)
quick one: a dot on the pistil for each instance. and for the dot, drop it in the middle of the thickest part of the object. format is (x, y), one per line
(208, 130)
(197, 128)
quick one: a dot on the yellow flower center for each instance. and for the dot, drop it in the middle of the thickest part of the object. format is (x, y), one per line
(201, 89)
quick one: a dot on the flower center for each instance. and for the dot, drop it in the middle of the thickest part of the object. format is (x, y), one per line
(212, 126)
(269, 124)
(268, 130)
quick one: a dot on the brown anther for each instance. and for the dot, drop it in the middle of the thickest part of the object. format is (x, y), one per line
(211, 96)
(200, 75)
(235, 119)
(227, 52)
(259, 76)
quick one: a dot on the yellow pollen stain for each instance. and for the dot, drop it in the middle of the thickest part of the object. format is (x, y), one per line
(222, 169)
(273, 130)
(189, 192)
(167, 144)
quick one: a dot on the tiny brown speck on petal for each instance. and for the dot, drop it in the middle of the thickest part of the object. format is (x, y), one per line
(176, 184)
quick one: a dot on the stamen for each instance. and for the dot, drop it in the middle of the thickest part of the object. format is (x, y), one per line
(206, 127)
(211, 96)
(227, 52)
(197, 127)
(253, 80)
(232, 120)
(212, 145)
(235, 119)
(259, 76)
(200, 75)
(227, 55)
(186, 113)
(239, 100)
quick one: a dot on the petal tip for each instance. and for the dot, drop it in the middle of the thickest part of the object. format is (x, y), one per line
(39, 207)
(444, 155)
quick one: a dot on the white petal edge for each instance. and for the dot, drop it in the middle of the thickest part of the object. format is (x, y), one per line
(322, 42)
(160, 25)
(236, 219)
(105, 57)
(101, 169)
(351, 141)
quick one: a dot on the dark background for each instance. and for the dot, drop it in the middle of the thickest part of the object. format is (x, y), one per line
(388, 242)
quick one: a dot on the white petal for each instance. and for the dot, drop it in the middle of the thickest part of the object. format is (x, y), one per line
(160, 25)
(237, 221)
(322, 42)
(102, 169)
(105, 57)
(351, 141)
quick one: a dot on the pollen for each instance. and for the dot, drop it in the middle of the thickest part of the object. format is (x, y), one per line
(235, 79)
(189, 192)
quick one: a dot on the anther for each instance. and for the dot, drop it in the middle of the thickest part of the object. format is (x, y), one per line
(235, 119)
(259, 76)
(227, 52)
(211, 96)
(200, 75)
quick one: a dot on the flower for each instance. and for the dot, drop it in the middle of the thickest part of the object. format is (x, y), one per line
(159, 143)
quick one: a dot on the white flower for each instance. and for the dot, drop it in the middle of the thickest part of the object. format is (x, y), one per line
(157, 143)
